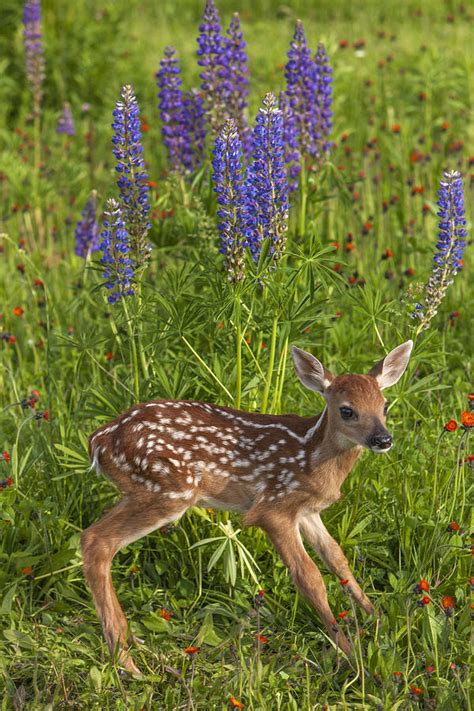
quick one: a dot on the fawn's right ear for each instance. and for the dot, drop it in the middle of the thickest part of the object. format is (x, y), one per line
(310, 371)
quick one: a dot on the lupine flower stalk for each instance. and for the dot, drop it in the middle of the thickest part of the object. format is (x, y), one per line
(290, 141)
(301, 89)
(237, 85)
(195, 123)
(323, 99)
(212, 56)
(133, 180)
(33, 44)
(267, 182)
(172, 112)
(450, 247)
(116, 248)
(228, 180)
(87, 229)
(66, 122)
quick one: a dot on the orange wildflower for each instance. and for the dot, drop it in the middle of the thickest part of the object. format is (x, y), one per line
(395, 128)
(18, 311)
(166, 614)
(424, 585)
(262, 639)
(27, 570)
(451, 426)
(448, 602)
(467, 419)
(235, 703)
(342, 615)
(192, 650)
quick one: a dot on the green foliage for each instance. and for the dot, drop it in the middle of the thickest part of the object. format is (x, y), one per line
(183, 338)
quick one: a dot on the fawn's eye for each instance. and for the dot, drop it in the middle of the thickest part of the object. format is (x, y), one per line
(346, 412)
(385, 408)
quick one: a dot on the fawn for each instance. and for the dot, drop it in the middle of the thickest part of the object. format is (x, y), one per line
(280, 470)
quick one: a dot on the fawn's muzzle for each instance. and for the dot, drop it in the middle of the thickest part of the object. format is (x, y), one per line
(381, 442)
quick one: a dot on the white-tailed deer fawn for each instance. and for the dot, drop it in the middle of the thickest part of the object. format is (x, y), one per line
(281, 471)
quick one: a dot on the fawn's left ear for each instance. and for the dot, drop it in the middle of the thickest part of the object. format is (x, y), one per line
(390, 369)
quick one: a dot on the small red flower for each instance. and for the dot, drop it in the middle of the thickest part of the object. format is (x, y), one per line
(417, 190)
(397, 676)
(467, 419)
(395, 128)
(235, 703)
(342, 615)
(343, 583)
(343, 44)
(38, 282)
(430, 669)
(424, 585)
(409, 272)
(9, 481)
(445, 125)
(12, 339)
(109, 356)
(192, 650)
(166, 614)
(6, 456)
(336, 245)
(425, 600)
(469, 458)
(451, 426)
(18, 311)
(416, 690)
(448, 602)
(454, 527)
(471, 397)
(27, 570)
(388, 253)
(262, 639)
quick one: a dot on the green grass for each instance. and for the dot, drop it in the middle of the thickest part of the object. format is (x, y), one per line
(393, 517)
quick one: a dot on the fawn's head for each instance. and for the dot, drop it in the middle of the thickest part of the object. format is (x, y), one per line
(356, 407)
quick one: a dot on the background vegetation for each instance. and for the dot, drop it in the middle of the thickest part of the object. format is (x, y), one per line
(402, 89)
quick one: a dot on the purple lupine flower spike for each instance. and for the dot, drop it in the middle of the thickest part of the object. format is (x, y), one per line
(237, 85)
(195, 125)
(87, 229)
(229, 185)
(66, 122)
(450, 246)
(212, 57)
(290, 139)
(267, 181)
(323, 98)
(133, 180)
(174, 120)
(33, 44)
(115, 246)
(301, 89)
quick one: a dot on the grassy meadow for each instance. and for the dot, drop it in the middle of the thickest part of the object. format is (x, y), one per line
(345, 290)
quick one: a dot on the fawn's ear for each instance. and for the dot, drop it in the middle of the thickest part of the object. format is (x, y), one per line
(310, 371)
(391, 368)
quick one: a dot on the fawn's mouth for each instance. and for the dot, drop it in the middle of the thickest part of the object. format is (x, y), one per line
(380, 450)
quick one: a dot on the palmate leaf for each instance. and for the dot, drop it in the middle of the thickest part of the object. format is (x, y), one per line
(230, 548)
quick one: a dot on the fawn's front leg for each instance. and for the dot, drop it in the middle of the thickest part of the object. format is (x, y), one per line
(332, 554)
(285, 536)
(128, 521)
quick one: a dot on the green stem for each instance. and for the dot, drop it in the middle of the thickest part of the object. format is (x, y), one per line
(238, 345)
(36, 155)
(303, 200)
(271, 364)
(133, 346)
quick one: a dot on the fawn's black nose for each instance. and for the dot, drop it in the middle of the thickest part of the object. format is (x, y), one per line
(381, 441)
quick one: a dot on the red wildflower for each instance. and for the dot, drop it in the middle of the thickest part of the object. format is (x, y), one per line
(424, 585)
(471, 397)
(152, 184)
(395, 128)
(145, 126)
(343, 44)
(467, 419)
(350, 246)
(235, 703)
(359, 44)
(342, 615)
(337, 268)
(166, 614)
(445, 125)
(9, 481)
(262, 639)
(397, 676)
(417, 190)
(416, 690)
(109, 356)
(192, 650)
(451, 426)
(343, 583)
(12, 339)
(448, 602)
(336, 245)
(46, 415)
(27, 570)
(366, 227)
(454, 527)
(422, 95)
(409, 272)
(469, 458)
(425, 600)
(6, 456)
(430, 669)
(21, 268)
(18, 311)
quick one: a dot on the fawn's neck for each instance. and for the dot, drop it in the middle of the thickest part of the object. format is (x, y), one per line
(328, 450)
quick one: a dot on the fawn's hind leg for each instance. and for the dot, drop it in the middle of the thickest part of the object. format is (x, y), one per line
(129, 520)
